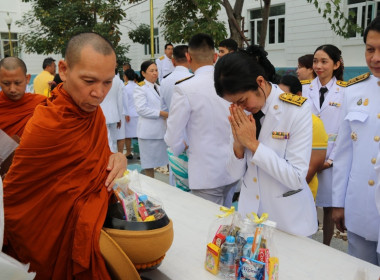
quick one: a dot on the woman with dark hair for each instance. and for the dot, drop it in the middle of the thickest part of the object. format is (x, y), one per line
(305, 70)
(151, 125)
(272, 145)
(325, 95)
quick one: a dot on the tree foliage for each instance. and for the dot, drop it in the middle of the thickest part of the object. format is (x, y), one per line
(340, 24)
(141, 34)
(51, 23)
(181, 19)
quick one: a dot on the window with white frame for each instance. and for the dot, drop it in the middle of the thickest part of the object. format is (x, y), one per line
(361, 12)
(5, 46)
(276, 25)
(147, 48)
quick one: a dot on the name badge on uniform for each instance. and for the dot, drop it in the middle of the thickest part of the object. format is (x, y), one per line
(335, 104)
(280, 135)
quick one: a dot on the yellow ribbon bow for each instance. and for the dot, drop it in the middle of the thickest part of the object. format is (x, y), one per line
(227, 211)
(253, 217)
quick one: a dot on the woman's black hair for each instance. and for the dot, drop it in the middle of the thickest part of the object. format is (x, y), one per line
(292, 82)
(130, 74)
(144, 66)
(238, 71)
(336, 55)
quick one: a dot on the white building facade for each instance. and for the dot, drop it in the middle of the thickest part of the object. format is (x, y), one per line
(295, 28)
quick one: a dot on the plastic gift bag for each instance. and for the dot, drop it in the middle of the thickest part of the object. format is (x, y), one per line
(226, 224)
(263, 262)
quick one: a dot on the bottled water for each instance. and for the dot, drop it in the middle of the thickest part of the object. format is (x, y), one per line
(247, 249)
(247, 229)
(228, 256)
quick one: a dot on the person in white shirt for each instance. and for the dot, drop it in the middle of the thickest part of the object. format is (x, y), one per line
(164, 63)
(151, 125)
(325, 96)
(129, 110)
(112, 107)
(197, 111)
(271, 146)
(180, 72)
(354, 176)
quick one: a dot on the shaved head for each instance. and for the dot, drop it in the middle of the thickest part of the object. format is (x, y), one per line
(12, 63)
(74, 47)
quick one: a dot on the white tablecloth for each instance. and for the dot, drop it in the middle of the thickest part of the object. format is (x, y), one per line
(300, 258)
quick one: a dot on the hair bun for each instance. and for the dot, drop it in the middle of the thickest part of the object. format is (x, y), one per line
(257, 52)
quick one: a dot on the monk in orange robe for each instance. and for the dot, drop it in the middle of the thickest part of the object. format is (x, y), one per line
(57, 190)
(16, 106)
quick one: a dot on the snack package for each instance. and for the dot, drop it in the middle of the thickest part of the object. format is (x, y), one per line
(212, 258)
(250, 269)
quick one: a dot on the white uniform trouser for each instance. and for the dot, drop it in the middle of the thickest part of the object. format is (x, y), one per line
(221, 195)
(112, 136)
(363, 249)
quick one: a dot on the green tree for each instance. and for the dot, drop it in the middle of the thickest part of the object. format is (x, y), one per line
(141, 34)
(51, 23)
(340, 24)
(181, 19)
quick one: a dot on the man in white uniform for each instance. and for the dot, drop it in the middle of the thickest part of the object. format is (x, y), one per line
(199, 112)
(354, 177)
(180, 72)
(164, 63)
(112, 107)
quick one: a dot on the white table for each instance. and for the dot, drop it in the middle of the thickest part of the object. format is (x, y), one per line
(300, 258)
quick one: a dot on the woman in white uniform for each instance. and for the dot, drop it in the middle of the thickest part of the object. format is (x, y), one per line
(151, 125)
(273, 161)
(325, 96)
(129, 111)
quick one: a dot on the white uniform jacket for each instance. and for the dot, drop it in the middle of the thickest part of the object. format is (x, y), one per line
(164, 66)
(167, 84)
(279, 166)
(112, 105)
(377, 192)
(128, 103)
(197, 110)
(354, 177)
(148, 105)
(330, 114)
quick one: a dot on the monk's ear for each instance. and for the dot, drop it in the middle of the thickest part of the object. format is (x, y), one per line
(62, 69)
(28, 78)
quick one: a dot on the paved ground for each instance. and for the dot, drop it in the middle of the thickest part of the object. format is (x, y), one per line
(337, 242)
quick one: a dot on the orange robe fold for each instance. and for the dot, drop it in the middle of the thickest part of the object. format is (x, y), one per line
(55, 199)
(15, 114)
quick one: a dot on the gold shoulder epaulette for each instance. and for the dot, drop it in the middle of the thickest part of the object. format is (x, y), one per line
(180, 81)
(293, 98)
(358, 79)
(341, 83)
(305, 82)
(161, 57)
(141, 83)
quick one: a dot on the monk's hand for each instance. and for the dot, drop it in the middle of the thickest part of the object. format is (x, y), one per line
(117, 164)
(127, 118)
(118, 125)
(243, 128)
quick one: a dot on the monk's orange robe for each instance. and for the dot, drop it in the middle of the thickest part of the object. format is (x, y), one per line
(55, 199)
(15, 114)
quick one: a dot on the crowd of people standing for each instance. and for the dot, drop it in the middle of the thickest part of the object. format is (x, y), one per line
(286, 144)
